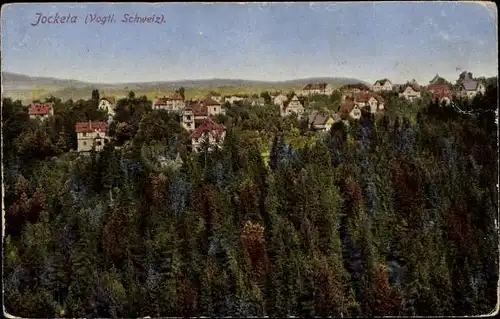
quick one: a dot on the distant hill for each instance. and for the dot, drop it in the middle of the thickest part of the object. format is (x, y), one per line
(24, 87)
(14, 81)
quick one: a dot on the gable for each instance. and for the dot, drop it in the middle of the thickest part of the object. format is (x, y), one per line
(409, 89)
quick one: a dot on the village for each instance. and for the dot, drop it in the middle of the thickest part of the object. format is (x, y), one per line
(197, 115)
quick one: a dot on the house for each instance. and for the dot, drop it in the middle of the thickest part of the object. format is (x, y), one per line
(469, 88)
(382, 85)
(91, 135)
(410, 91)
(218, 99)
(442, 92)
(213, 107)
(373, 102)
(292, 106)
(40, 110)
(197, 111)
(255, 101)
(174, 103)
(438, 88)
(317, 88)
(322, 122)
(107, 104)
(349, 109)
(279, 99)
(208, 132)
(233, 99)
(354, 88)
(437, 80)
(349, 90)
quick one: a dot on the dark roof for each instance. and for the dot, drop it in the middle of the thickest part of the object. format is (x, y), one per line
(316, 86)
(413, 86)
(470, 85)
(359, 86)
(382, 82)
(208, 126)
(320, 119)
(198, 108)
(110, 99)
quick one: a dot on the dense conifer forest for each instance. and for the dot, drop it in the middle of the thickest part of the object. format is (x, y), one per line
(394, 214)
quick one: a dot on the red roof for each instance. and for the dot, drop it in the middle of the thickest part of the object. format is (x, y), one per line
(208, 126)
(316, 86)
(438, 88)
(365, 97)
(40, 108)
(346, 107)
(164, 100)
(161, 101)
(89, 127)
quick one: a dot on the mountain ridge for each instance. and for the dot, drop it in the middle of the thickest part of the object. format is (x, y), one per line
(16, 81)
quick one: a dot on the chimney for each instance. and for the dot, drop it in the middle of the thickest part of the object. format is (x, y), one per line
(90, 125)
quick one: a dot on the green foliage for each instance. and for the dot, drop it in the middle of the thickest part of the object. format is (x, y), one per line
(388, 216)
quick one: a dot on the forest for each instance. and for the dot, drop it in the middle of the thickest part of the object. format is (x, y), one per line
(394, 214)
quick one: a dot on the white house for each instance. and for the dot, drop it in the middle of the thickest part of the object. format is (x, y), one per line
(317, 88)
(41, 110)
(213, 107)
(470, 88)
(322, 122)
(208, 132)
(373, 102)
(91, 135)
(410, 92)
(348, 109)
(174, 103)
(279, 100)
(218, 99)
(197, 111)
(233, 99)
(108, 104)
(382, 85)
(293, 106)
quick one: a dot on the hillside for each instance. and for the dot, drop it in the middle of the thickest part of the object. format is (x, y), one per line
(26, 88)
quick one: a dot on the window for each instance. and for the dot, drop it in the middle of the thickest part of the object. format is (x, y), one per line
(188, 124)
(84, 143)
(188, 117)
(99, 143)
(215, 109)
(84, 134)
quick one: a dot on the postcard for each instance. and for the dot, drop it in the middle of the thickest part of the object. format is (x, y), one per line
(329, 159)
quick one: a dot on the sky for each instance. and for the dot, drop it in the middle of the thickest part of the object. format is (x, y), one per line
(255, 41)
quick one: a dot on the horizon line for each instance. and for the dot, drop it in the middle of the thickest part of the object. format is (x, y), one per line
(208, 79)
(182, 80)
